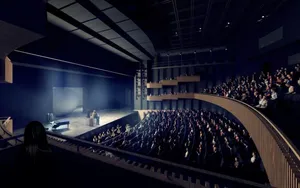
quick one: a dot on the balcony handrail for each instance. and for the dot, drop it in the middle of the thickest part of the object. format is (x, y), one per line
(277, 129)
(84, 143)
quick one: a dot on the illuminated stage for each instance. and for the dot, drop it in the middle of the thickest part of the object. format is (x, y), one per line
(79, 122)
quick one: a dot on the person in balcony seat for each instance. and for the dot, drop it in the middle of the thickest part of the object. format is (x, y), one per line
(291, 89)
(263, 103)
(35, 162)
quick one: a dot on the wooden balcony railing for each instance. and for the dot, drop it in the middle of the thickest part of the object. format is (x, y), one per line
(280, 157)
(169, 82)
(154, 85)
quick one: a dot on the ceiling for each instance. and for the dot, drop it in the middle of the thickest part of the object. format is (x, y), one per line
(138, 29)
(102, 24)
(181, 24)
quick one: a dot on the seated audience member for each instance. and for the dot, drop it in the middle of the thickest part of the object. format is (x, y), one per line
(186, 154)
(35, 161)
(263, 103)
(253, 158)
(118, 129)
(95, 139)
(273, 94)
(290, 88)
(236, 163)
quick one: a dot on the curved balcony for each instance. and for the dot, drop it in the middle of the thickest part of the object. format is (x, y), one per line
(183, 79)
(280, 157)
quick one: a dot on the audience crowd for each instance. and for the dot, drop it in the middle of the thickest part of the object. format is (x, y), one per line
(262, 89)
(198, 138)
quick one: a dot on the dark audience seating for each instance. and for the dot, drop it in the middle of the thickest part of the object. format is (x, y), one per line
(196, 138)
(282, 93)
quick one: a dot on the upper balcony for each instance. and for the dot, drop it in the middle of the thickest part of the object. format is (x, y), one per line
(184, 79)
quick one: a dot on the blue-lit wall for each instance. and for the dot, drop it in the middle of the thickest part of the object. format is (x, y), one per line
(30, 96)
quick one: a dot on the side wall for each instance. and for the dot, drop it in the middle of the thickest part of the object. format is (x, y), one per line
(251, 58)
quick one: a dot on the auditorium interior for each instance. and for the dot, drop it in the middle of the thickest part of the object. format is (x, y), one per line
(150, 93)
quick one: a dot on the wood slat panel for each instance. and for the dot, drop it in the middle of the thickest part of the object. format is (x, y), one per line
(188, 78)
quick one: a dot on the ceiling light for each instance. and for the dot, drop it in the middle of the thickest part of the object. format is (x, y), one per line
(176, 34)
(228, 23)
(210, 50)
(226, 49)
(195, 52)
(262, 16)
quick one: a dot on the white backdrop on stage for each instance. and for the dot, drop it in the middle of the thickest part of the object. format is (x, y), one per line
(67, 100)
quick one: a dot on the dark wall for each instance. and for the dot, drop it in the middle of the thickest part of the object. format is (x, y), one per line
(30, 15)
(30, 96)
(65, 46)
(251, 58)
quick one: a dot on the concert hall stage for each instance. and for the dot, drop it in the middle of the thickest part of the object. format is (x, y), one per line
(79, 122)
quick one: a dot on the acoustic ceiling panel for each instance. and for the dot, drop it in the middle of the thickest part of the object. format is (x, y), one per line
(101, 4)
(128, 25)
(122, 43)
(111, 49)
(133, 50)
(149, 47)
(96, 41)
(110, 34)
(82, 34)
(141, 55)
(59, 22)
(78, 12)
(115, 15)
(96, 25)
(60, 3)
(139, 36)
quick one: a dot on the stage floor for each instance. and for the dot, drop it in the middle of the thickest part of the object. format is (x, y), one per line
(79, 123)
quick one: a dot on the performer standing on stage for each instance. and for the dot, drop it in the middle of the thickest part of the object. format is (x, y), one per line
(96, 116)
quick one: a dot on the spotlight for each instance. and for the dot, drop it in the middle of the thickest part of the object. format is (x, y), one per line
(262, 16)
(226, 49)
(228, 23)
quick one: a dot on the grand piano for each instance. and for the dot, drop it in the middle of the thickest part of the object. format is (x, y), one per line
(60, 123)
